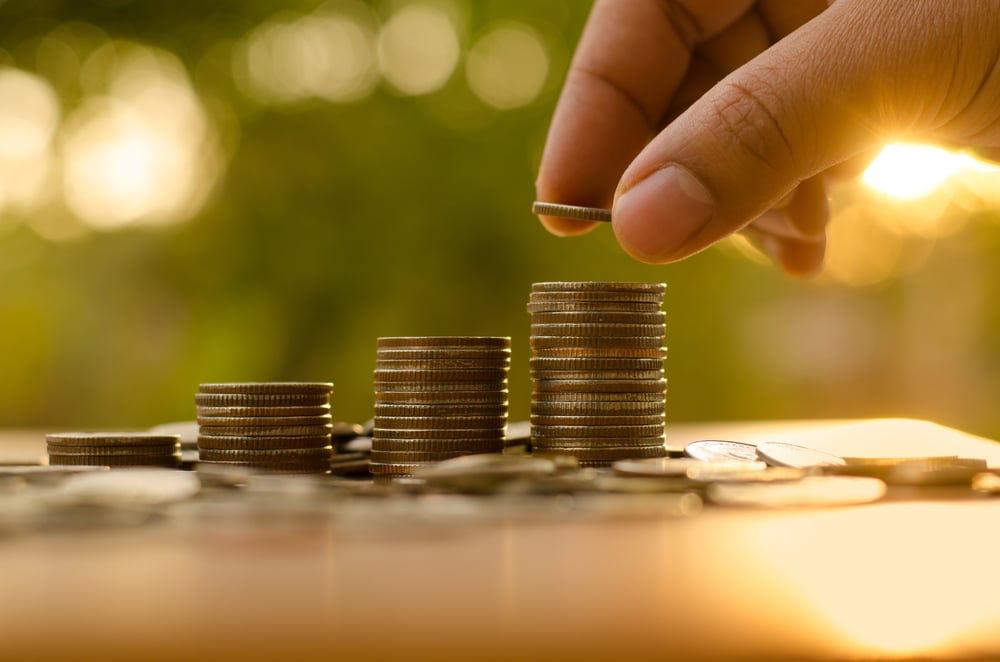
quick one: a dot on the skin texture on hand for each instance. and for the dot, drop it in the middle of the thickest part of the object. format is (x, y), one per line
(695, 119)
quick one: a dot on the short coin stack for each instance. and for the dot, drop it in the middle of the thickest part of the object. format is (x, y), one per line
(114, 449)
(438, 397)
(597, 356)
(273, 427)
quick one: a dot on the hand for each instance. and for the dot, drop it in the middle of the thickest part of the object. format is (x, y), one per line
(730, 114)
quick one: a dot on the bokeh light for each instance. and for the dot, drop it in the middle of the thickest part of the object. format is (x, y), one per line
(507, 67)
(144, 151)
(29, 116)
(327, 55)
(418, 48)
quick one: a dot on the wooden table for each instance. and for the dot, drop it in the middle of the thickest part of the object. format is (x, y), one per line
(892, 579)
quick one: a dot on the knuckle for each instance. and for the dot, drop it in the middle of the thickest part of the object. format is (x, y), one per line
(749, 122)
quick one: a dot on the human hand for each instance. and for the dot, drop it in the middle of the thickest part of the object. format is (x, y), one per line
(694, 119)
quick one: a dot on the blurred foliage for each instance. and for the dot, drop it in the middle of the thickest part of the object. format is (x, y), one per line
(338, 223)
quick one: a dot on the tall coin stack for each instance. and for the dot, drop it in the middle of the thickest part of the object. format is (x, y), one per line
(114, 449)
(438, 397)
(597, 355)
(273, 427)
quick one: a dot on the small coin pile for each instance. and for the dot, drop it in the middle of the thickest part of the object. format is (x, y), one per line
(114, 449)
(436, 398)
(273, 427)
(597, 357)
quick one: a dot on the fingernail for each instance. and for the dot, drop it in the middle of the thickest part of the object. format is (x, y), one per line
(656, 218)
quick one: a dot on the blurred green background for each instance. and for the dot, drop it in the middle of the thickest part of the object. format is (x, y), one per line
(255, 191)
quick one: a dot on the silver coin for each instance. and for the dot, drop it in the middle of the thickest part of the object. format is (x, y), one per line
(641, 307)
(598, 285)
(718, 449)
(544, 375)
(540, 432)
(810, 492)
(571, 211)
(437, 342)
(539, 344)
(599, 386)
(782, 454)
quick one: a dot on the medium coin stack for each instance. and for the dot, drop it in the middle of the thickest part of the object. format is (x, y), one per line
(438, 397)
(114, 449)
(597, 370)
(272, 427)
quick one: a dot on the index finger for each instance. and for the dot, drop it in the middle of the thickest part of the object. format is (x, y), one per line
(632, 56)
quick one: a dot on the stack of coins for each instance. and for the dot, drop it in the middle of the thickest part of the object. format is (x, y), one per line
(597, 370)
(114, 449)
(438, 397)
(273, 427)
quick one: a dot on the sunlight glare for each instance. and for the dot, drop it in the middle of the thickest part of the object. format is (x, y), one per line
(911, 171)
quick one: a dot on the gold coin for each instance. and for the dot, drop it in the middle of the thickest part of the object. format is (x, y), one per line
(461, 409)
(491, 396)
(436, 376)
(439, 422)
(539, 364)
(110, 439)
(600, 385)
(540, 432)
(130, 451)
(586, 454)
(264, 388)
(441, 353)
(439, 445)
(545, 375)
(541, 344)
(596, 295)
(574, 397)
(562, 409)
(261, 399)
(565, 352)
(597, 420)
(442, 364)
(264, 421)
(264, 455)
(427, 342)
(409, 457)
(264, 412)
(281, 431)
(590, 317)
(243, 442)
(452, 433)
(593, 307)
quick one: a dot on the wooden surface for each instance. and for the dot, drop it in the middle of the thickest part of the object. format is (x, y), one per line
(435, 579)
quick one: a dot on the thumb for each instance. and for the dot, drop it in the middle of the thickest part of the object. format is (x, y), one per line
(821, 95)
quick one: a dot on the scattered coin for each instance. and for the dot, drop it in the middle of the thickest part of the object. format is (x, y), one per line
(349, 464)
(717, 449)
(813, 491)
(782, 454)
(682, 467)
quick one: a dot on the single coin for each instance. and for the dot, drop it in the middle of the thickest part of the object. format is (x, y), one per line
(264, 412)
(571, 211)
(442, 353)
(261, 399)
(439, 445)
(596, 397)
(407, 457)
(540, 432)
(596, 295)
(541, 364)
(438, 422)
(168, 461)
(110, 439)
(781, 454)
(280, 431)
(487, 466)
(681, 467)
(552, 422)
(600, 385)
(452, 433)
(396, 469)
(241, 442)
(711, 450)
(264, 455)
(546, 375)
(589, 454)
(810, 492)
(558, 408)
(264, 421)
(596, 442)
(539, 343)
(600, 352)
(491, 396)
(263, 388)
(462, 409)
(130, 451)
(438, 376)
(443, 364)
(589, 318)
(593, 307)
(600, 330)
(604, 286)
(427, 342)
(383, 386)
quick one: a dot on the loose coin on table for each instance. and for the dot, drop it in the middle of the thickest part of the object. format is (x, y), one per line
(720, 449)
(782, 454)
